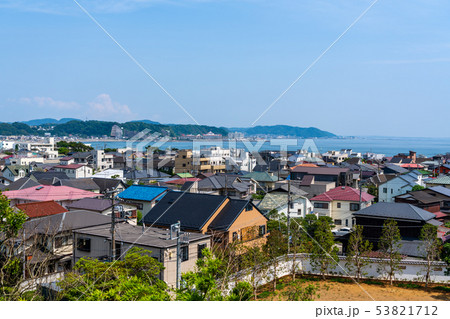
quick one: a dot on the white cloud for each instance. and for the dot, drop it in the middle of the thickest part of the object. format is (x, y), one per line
(105, 106)
(49, 102)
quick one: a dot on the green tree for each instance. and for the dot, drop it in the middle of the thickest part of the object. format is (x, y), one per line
(324, 252)
(417, 188)
(297, 292)
(357, 253)
(431, 247)
(243, 291)
(275, 247)
(201, 284)
(11, 222)
(390, 244)
(255, 262)
(133, 278)
(445, 256)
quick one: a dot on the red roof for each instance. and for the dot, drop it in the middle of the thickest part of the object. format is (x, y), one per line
(343, 193)
(411, 165)
(440, 214)
(40, 209)
(181, 181)
(43, 193)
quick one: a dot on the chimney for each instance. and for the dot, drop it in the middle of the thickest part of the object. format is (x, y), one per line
(412, 155)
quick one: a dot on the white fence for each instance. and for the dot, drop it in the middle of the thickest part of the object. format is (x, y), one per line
(411, 270)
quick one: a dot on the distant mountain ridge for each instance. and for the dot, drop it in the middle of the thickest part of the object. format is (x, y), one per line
(284, 130)
(38, 122)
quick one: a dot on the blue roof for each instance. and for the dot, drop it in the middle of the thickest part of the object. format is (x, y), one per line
(142, 192)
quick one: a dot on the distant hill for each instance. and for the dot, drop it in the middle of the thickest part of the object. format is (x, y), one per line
(146, 121)
(38, 122)
(16, 128)
(284, 130)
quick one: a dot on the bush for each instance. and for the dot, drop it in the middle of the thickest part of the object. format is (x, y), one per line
(243, 291)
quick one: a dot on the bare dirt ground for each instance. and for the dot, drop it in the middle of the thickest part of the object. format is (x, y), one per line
(338, 291)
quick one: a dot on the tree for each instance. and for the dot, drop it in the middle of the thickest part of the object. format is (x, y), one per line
(201, 284)
(431, 247)
(275, 247)
(133, 278)
(324, 252)
(358, 250)
(297, 292)
(390, 244)
(243, 291)
(445, 256)
(255, 261)
(417, 188)
(11, 222)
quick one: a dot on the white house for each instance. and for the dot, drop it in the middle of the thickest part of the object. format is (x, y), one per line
(300, 206)
(15, 172)
(340, 203)
(75, 170)
(399, 185)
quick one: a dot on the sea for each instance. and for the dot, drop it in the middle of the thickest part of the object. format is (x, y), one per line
(388, 146)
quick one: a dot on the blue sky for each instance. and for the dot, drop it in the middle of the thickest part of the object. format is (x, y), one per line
(225, 62)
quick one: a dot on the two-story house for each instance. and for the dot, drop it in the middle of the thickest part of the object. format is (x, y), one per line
(227, 220)
(340, 204)
(399, 185)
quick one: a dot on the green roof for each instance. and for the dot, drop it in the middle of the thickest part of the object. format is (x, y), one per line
(184, 175)
(15, 168)
(440, 180)
(275, 200)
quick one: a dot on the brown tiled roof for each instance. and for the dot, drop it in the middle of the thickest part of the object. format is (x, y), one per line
(40, 209)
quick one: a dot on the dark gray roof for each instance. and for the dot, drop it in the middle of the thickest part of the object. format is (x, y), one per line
(22, 183)
(217, 182)
(80, 183)
(48, 175)
(149, 236)
(65, 221)
(192, 210)
(229, 214)
(107, 183)
(396, 168)
(95, 204)
(396, 211)
(441, 190)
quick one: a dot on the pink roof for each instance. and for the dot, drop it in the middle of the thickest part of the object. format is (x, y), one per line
(70, 166)
(344, 193)
(411, 165)
(181, 181)
(45, 193)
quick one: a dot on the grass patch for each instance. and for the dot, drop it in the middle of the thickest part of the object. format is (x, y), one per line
(409, 285)
(374, 282)
(264, 294)
(342, 280)
(442, 288)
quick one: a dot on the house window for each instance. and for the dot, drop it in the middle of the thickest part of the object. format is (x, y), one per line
(321, 205)
(235, 236)
(346, 222)
(84, 244)
(338, 222)
(385, 190)
(262, 230)
(291, 205)
(184, 253)
(354, 207)
(200, 248)
(338, 205)
(184, 165)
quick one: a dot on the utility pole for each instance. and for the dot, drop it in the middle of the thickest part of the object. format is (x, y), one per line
(289, 216)
(175, 228)
(113, 226)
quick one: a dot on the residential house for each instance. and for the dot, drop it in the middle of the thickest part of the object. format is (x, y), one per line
(48, 240)
(63, 195)
(227, 220)
(339, 176)
(434, 199)
(442, 180)
(278, 200)
(107, 184)
(264, 180)
(230, 185)
(74, 170)
(21, 183)
(86, 184)
(103, 206)
(15, 172)
(41, 209)
(144, 197)
(340, 204)
(399, 185)
(410, 220)
(95, 242)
